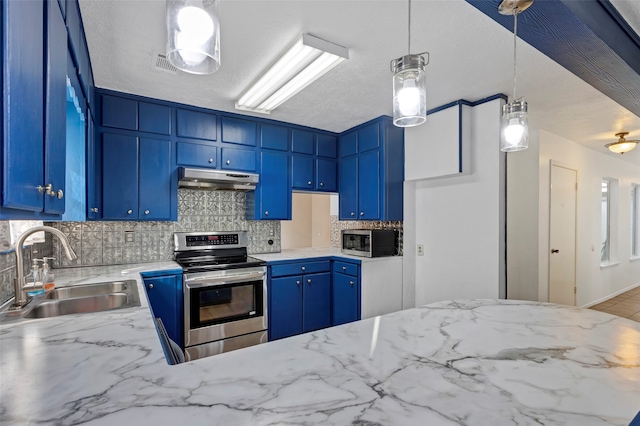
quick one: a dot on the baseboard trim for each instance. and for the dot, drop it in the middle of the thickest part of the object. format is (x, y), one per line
(604, 299)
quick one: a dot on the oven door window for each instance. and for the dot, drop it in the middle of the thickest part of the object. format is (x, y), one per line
(225, 303)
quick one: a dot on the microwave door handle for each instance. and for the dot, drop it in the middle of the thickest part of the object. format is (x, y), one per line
(225, 279)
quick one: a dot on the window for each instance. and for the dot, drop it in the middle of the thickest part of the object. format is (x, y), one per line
(635, 220)
(605, 250)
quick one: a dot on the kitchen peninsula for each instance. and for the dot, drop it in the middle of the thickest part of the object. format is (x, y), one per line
(477, 362)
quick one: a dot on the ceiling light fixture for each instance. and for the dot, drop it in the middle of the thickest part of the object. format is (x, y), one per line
(622, 145)
(515, 123)
(303, 63)
(409, 87)
(193, 35)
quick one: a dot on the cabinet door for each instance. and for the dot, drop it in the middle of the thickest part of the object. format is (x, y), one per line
(369, 137)
(302, 142)
(326, 175)
(344, 299)
(369, 185)
(238, 159)
(119, 177)
(155, 179)
(237, 131)
(327, 146)
(196, 154)
(164, 294)
(120, 113)
(23, 111)
(192, 124)
(274, 186)
(302, 172)
(274, 137)
(316, 311)
(285, 310)
(348, 144)
(154, 118)
(55, 108)
(348, 180)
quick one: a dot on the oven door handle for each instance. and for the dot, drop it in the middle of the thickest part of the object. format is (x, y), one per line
(224, 279)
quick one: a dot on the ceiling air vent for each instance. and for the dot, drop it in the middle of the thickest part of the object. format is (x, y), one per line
(160, 62)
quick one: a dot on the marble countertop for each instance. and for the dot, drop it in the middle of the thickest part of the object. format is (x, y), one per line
(477, 362)
(311, 252)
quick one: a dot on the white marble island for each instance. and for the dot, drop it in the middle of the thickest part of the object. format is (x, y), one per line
(468, 362)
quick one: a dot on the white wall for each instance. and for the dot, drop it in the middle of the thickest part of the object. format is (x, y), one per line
(593, 282)
(459, 220)
(311, 222)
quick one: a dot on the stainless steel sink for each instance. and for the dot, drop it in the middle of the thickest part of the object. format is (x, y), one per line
(91, 290)
(79, 299)
(79, 305)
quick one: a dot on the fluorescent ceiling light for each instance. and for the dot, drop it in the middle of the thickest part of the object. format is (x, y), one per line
(302, 64)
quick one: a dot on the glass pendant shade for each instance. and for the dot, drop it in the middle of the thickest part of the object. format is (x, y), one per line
(409, 91)
(193, 35)
(514, 135)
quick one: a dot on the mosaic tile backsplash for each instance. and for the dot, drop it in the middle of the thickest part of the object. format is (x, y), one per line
(338, 225)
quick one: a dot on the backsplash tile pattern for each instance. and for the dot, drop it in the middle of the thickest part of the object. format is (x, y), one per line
(338, 225)
(103, 243)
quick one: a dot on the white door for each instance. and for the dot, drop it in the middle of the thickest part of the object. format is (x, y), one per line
(562, 236)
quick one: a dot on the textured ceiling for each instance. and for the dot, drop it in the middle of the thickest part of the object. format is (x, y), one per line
(470, 58)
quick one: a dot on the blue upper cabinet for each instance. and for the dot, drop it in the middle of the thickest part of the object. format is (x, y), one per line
(327, 146)
(154, 200)
(272, 198)
(326, 178)
(236, 131)
(120, 177)
(34, 85)
(121, 113)
(302, 172)
(274, 137)
(371, 178)
(197, 154)
(197, 125)
(302, 142)
(154, 118)
(238, 159)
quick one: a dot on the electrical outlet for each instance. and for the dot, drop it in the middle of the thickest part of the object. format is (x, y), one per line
(420, 250)
(271, 233)
(129, 237)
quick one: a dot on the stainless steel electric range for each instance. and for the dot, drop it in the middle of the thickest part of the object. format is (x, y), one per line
(225, 293)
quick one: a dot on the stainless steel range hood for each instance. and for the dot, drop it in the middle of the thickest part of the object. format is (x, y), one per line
(209, 179)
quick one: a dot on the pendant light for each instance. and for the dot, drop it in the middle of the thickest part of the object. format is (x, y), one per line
(622, 145)
(409, 87)
(193, 35)
(515, 124)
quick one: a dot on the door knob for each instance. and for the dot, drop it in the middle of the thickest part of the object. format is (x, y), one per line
(351, 283)
(304, 269)
(94, 210)
(344, 268)
(266, 213)
(361, 213)
(228, 162)
(150, 286)
(555, 251)
(353, 214)
(321, 183)
(309, 182)
(146, 212)
(298, 282)
(129, 211)
(309, 280)
(210, 160)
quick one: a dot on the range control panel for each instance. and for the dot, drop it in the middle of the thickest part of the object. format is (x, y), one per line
(211, 240)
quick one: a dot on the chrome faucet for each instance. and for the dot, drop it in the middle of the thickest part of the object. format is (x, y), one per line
(20, 300)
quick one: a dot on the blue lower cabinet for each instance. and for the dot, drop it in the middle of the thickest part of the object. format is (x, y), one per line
(316, 301)
(299, 297)
(285, 310)
(166, 302)
(345, 299)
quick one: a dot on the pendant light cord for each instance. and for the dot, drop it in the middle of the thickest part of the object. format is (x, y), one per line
(515, 37)
(409, 31)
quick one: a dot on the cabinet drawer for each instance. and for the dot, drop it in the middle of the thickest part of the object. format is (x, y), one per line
(345, 268)
(300, 268)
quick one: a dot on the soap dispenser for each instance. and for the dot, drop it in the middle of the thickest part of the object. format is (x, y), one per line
(33, 282)
(47, 275)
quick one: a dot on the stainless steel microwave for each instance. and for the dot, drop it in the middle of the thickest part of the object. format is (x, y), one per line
(369, 243)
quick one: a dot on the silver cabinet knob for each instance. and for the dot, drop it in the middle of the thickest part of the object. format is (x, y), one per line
(58, 194)
(94, 210)
(228, 162)
(351, 283)
(344, 268)
(150, 286)
(129, 211)
(304, 269)
(309, 182)
(361, 213)
(210, 160)
(321, 183)
(266, 213)
(146, 212)
(309, 280)
(298, 282)
(353, 214)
